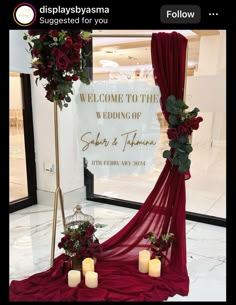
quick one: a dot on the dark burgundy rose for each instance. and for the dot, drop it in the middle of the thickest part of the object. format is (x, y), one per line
(68, 78)
(75, 77)
(200, 119)
(182, 129)
(53, 85)
(78, 38)
(172, 133)
(53, 33)
(75, 57)
(195, 126)
(68, 42)
(33, 32)
(35, 52)
(43, 36)
(77, 46)
(195, 123)
(62, 61)
(188, 123)
(55, 51)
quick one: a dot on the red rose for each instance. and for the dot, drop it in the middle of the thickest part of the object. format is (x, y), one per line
(62, 61)
(35, 52)
(182, 129)
(53, 85)
(75, 57)
(68, 78)
(195, 123)
(172, 133)
(55, 51)
(33, 32)
(43, 36)
(68, 42)
(75, 77)
(78, 38)
(77, 46)
(187, 123)
(53, 33)
(200, 119)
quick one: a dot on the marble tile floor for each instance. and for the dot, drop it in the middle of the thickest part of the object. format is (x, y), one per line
(30, 246)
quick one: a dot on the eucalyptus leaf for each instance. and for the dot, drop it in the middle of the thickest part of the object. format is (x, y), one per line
(183, 139)
(166, 154)
(188, 148)
(175, 161)
(173, 120)
(182, 169)
(174, 144)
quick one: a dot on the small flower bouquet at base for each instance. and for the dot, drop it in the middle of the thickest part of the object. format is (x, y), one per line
(80, 242)
(159, 244)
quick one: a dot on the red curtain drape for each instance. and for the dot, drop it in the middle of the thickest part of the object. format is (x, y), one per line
(168, 59)
(162, 212)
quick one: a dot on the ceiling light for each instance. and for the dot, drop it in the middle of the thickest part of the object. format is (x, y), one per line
(109, 63)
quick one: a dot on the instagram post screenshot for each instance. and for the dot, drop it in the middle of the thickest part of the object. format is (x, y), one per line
(117, 152)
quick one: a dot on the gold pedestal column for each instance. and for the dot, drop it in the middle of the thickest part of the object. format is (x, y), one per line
(58, 192)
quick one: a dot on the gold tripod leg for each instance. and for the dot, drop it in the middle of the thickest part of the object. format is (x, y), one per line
(58, 192)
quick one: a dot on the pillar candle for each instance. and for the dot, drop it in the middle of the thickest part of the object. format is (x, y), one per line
(87, 265)
(144, 257)
(91, 279)
(154, 267)
(74, 278)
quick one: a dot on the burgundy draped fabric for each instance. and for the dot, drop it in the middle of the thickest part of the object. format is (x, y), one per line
(162, 212)
(168, 60)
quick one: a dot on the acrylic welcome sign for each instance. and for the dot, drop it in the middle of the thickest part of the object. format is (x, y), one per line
(118, 128)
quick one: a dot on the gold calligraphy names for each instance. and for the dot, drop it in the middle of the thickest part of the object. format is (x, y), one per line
(128, 139)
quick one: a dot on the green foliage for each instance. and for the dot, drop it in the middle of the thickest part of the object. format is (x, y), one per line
(181, 125)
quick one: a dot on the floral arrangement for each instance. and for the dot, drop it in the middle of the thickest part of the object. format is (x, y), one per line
(159, 244)
(181, 126)
(80, 242)
(59, 57)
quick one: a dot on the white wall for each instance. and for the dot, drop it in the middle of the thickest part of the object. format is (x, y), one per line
(207, 90)
(71, 163)
(20, 59)
(208, 93)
